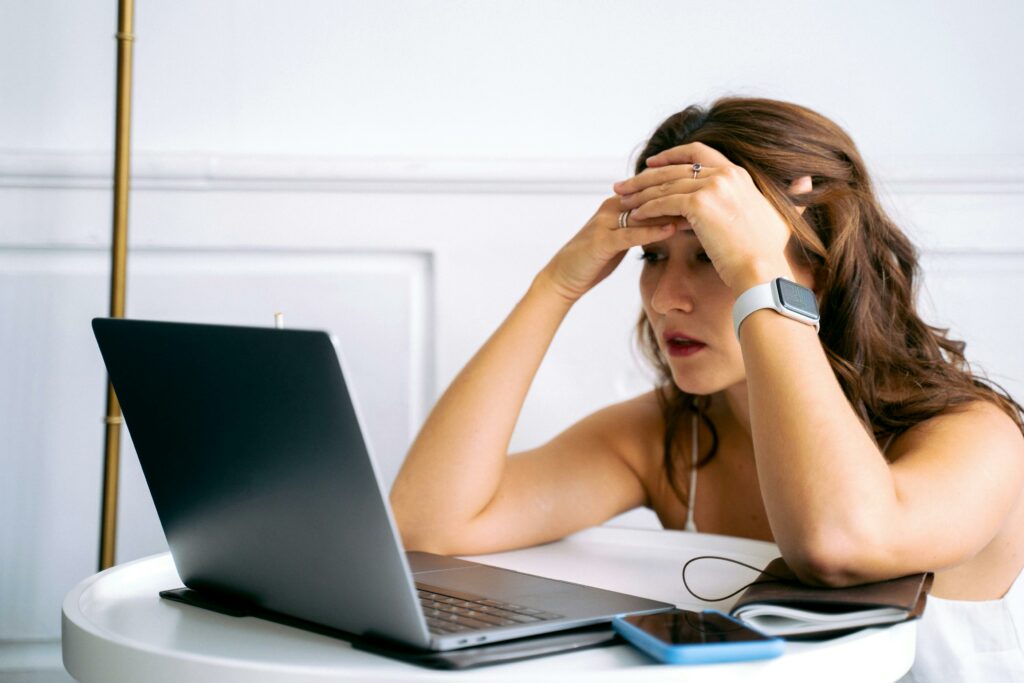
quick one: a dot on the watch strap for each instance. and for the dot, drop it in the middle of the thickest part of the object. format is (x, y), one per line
(765, 296)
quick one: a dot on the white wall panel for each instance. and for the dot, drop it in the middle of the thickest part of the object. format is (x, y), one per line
(51, 406)
(978, 297)
(377, 304)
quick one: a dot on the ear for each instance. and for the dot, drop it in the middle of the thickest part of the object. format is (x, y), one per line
(800, 186)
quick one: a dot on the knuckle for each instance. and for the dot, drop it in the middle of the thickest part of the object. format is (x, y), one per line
(737, 173)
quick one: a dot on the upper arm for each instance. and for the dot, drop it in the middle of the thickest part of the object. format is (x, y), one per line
(592, 471)
(956, 478)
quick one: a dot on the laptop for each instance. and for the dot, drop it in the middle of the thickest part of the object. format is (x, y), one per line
(251, 445)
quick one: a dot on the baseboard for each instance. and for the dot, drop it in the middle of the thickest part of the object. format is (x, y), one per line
(33, 661)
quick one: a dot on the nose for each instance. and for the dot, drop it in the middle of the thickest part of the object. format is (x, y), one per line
(672, 292)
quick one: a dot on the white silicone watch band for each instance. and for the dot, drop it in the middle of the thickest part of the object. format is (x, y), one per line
(764, 296)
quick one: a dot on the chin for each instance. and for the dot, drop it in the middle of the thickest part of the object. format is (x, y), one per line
(698, 386)
(703, 382)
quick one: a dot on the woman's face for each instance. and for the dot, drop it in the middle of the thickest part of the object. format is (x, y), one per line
(690, 310)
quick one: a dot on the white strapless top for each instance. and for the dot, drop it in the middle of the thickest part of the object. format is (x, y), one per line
(971, 641)
(965, 641)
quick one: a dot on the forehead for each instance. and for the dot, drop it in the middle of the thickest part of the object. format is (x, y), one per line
(684, 238)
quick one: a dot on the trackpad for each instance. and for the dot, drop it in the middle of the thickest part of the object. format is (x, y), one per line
(428, 562)
(498, 584)
(550, 595)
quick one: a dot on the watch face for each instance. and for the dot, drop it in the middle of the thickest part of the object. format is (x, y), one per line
(797, 298)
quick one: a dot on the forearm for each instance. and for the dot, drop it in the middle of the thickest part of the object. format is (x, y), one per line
(827, 490)
(456, 462)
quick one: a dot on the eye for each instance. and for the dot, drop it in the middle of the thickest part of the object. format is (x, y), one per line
(651, 256)
(702, 256)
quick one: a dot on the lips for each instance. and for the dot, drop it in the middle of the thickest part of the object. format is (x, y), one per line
(673, 336)
(678, 344)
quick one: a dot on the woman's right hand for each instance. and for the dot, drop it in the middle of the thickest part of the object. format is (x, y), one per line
(598, 248)
(459, 492)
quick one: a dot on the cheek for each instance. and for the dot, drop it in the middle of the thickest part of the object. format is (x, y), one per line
(647, 286)
(718, 301)
(724, 307)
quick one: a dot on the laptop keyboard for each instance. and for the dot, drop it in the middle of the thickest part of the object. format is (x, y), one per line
(450, 614)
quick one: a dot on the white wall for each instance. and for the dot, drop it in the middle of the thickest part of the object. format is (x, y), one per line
(397, 171)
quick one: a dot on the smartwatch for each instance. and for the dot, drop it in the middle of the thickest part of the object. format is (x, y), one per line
(786, 297)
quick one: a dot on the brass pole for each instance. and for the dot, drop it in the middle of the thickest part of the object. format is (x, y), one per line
(118, 272)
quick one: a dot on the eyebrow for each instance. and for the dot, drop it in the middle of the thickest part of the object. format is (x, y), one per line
(661, 243)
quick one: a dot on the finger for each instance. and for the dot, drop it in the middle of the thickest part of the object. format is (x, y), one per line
(626, 220)
(677, 186)
(673, 207)
(657, 176)
(635, 236)
(692, 152)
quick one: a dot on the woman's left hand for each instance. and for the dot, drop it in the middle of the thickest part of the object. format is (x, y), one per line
(739, 229)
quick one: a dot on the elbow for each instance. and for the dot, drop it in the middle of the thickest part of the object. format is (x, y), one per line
(423, 540)
(427, 538)
(418, 533)
(820, 570)
(424, 544)
(831, 559)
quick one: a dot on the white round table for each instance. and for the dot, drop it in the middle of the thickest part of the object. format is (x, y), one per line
(117, 629)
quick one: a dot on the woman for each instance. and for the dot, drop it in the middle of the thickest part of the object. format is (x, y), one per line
(866, 450)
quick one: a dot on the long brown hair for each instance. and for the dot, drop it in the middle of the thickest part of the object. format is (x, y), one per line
(895, 369)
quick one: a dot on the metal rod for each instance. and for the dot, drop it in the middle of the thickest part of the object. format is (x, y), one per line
(118, 272)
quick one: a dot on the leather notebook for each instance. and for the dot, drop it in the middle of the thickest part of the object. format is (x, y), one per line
(779, 604)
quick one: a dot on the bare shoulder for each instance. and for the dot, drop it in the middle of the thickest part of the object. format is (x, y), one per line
(644, 406)
(632, 428)
(959, 480)
(975, 451)
(638, 416)
(973, 427)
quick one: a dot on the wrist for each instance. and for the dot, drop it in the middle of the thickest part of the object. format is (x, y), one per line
(544, 287)
(758, 274)
(788, 298)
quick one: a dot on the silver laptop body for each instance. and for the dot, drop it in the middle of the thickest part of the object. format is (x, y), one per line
(252, 448)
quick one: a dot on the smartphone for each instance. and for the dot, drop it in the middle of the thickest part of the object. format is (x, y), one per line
(684, 637)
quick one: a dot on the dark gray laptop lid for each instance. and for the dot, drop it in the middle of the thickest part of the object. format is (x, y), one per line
(253, 452)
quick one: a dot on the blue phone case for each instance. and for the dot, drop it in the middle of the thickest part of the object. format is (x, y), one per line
(701, 653)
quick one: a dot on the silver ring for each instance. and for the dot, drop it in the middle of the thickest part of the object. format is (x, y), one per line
(624, 219)
(696, 169)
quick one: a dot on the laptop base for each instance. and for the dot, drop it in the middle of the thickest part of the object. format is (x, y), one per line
(503, 652)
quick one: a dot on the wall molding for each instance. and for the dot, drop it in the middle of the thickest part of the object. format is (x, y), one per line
(214, 171)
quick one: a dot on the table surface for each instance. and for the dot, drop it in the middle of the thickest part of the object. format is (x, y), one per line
(116, 628)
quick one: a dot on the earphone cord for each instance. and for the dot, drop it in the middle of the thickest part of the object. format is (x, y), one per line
(775, 579)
